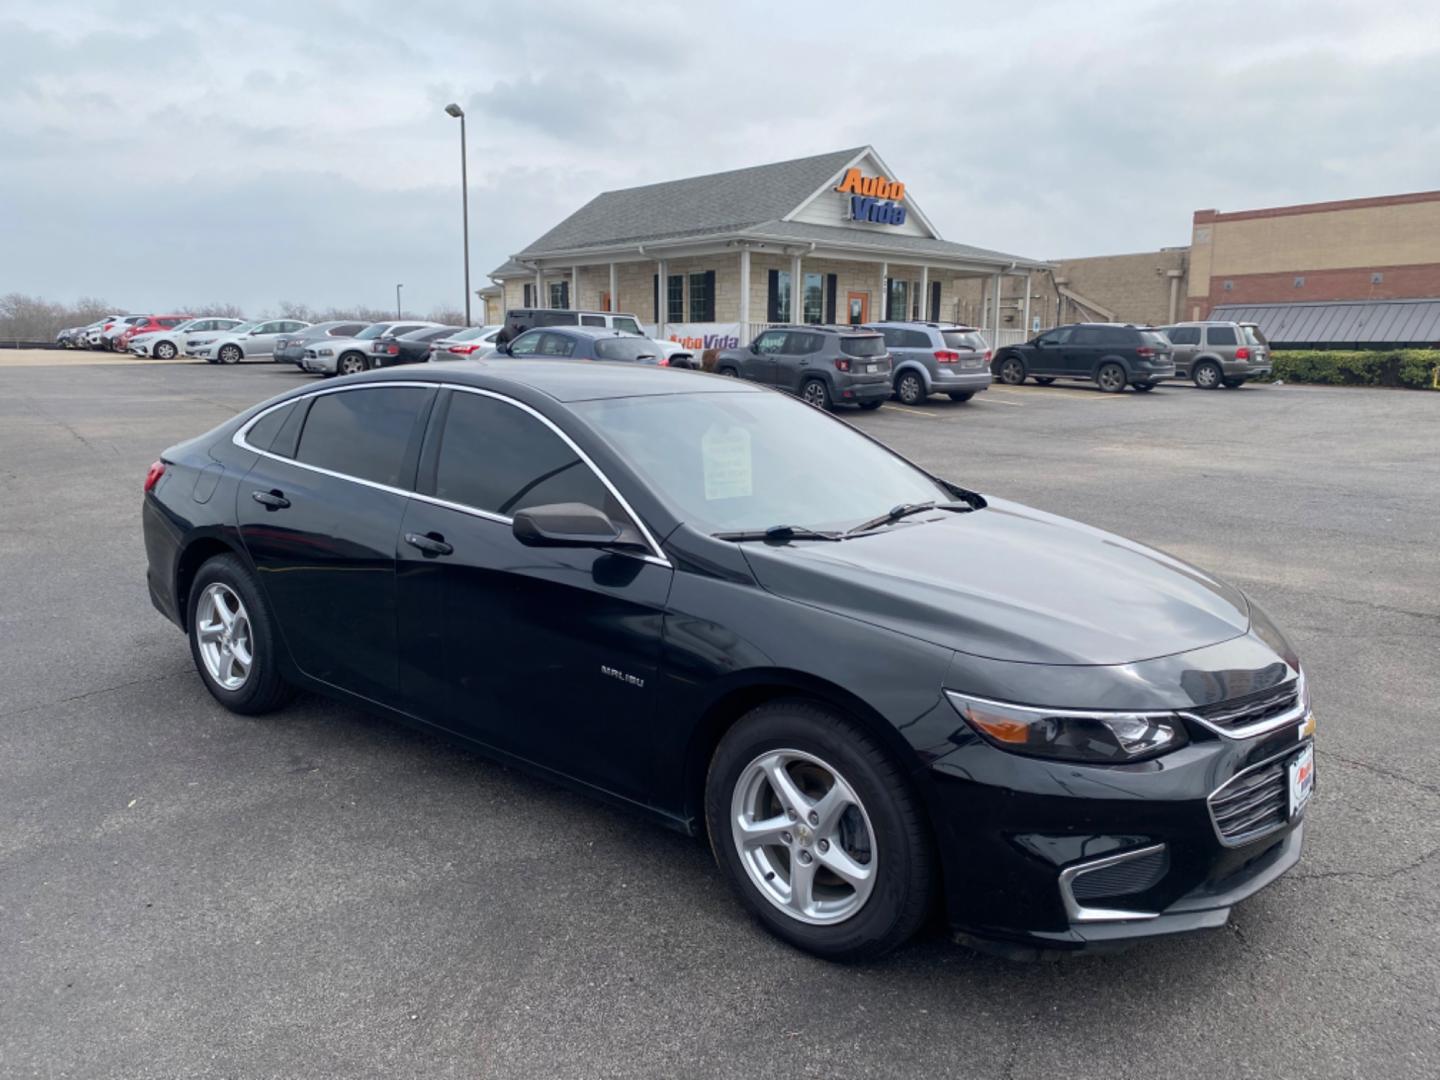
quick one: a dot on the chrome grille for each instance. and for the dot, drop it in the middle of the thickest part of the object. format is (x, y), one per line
(1251, 805)
(1254, 713)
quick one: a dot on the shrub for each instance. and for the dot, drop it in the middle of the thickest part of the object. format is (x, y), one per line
(1412, 368)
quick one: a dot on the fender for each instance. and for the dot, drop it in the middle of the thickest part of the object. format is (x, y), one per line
(912, 365)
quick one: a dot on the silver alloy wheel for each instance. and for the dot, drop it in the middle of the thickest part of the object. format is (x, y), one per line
(222, 628)
(165, 351)
(1111, 377)
(803, 837)
(230, 354)
(814, 393)
(1207, 376)
(910, 388)
(1012, 372)
(352, 365)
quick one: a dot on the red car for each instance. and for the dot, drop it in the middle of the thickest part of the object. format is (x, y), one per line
(149, 326)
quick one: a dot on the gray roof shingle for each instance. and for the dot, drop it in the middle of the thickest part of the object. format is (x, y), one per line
(1341, 322)
(886, 242)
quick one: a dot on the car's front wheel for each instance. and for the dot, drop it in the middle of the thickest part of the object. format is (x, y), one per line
(233, 638)
(815, 826)
(1012, 370)
(165, 351)
(230, 354)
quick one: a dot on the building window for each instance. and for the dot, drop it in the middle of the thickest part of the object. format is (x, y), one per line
(814, 298)
(560, 294)
(1299, 283)
(781, 306)
(529, 295)
(675, 298)
(702, 296)
(898, 306)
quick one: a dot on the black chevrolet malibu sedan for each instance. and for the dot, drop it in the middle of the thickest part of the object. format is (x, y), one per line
(872, 690)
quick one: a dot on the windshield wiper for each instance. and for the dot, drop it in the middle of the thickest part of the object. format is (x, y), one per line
(904, 510)
(778, 534)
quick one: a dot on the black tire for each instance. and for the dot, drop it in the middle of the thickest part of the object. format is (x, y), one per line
(1011, 369)
(817, 392)
(1207, 375)
(264, 689)
(1111, 377)
(165, 351)
(727, 372)
(961, 395)
(870, 406)
(902, 893)
(1044, 380)
(1142, 386)
(910, 388)
(351, 364)
(229, 354)
(1233, 384)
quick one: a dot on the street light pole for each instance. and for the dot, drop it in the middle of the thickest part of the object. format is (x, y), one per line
(455, 111)
(398, 287)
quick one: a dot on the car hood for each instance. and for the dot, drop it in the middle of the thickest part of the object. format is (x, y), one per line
(1011, 583)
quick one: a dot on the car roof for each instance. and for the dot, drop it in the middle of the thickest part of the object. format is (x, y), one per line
(564, 380)
(580, 331)
(927, 323)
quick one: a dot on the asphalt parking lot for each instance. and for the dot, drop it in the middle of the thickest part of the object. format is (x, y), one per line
(318, 893)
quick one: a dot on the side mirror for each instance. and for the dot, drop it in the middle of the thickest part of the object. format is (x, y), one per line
(755, 346)
(503, 348)
(565, 525)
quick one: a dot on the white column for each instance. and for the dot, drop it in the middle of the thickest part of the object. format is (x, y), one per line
(1026, 315)
(540, 300)
(995, 337)
(797, 292)
(662, 289)
(744, 293)
(924, 292)
(879, 314)
(574, 288)
(614, 290)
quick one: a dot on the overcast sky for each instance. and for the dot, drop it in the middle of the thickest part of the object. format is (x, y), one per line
(166, 153)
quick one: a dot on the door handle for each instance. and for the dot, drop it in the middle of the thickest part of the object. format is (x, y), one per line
(271, 500)
(431, 544)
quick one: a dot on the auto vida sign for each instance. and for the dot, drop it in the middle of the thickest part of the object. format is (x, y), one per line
(873, 198)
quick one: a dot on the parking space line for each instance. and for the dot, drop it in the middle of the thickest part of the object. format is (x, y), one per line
(997, 401)
(912, 412)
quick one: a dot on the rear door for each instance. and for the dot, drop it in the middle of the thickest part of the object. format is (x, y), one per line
(320, 513)
(1081, 353)
(796, 359)
(261, 341)
(1184, 342)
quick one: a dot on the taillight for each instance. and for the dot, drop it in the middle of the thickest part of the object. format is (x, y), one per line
(945, 356)
(393, 350)
(841, 364)
(1144, 350)
(1242, 353)
(664, 361)
(463, 350)
(157, 470)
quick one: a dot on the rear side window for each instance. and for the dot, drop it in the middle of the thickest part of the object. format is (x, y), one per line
(555, 318)
(497, 457)
(1253, 334)
(868, 345)
(915, 339)
(1184, 335)
(1119, 335)
(625, 348)
(592, 320)
(798, 344)
(963, 339)
(1085, 335)
(1221, 335)
(170, 323)
(262, 433)
(347, 330)
(369, 434)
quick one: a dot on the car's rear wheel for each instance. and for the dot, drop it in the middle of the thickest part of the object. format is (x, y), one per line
(1207, 376)
(816, 828)
(1111, 378)
(233, 638)
(352, 364)
(1012, 371)
(961, 395)
(910, 388)
(230, 354)
(164, 351)
(1044, 380)
(816, 393)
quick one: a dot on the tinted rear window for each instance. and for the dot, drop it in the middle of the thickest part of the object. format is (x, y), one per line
(555, 318)
(1253, 335)
(626, 348)
(963, 339)
(262, 433)
(868, 345)
(363, 433)
(1118, 335)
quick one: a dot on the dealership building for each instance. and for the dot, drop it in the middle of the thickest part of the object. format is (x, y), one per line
(712, 260)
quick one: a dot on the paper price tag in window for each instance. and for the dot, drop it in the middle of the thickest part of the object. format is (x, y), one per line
(726, 452)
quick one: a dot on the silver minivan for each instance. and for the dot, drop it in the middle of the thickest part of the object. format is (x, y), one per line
(1216, 354)
(935, 358)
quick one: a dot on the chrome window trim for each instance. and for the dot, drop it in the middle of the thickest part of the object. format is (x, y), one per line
(1252, 837)
(1078, 912)
(1039, 710)
(657, 556)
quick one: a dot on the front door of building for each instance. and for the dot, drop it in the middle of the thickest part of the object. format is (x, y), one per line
(857, 308)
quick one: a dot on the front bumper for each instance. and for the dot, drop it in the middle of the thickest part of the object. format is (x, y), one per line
(318, 365)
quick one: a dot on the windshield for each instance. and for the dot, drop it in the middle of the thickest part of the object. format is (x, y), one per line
(373, 331)
(1253, 334)
(963, 339)
(742, 461)
(626, 348)
(869, 345)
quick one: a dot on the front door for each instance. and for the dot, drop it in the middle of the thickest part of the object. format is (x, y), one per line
(551, 654)
(857, 308)
(794, 362)
(323, 542)
(760, 363)
(1046, 355)
(1082, 352)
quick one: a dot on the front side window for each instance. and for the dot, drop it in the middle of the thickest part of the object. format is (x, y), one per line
(727, 462)
(814, 298)
(770, 342)
(527, 344)
(1221, 335)
(626, 324)
(1055, 337)
(373, 331)
(498, 458)
(364, 433)
(555, 345)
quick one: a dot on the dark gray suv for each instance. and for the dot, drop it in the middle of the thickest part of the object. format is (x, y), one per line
(1112, 355)
(935, 358)
(825, 365)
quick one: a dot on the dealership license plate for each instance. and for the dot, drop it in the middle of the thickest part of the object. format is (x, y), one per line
(870, 369)
(1302, 779)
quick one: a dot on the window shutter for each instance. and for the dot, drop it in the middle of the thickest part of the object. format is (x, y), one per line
(709, 296)
(885, 307)
(772, 299)
(656, 279)
(935, 301)
(831, 282)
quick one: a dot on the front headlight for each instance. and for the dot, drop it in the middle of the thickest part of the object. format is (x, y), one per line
(324, 352)
(1095, 736)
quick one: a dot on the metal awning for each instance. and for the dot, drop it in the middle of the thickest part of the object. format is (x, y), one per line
(1363, 323)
